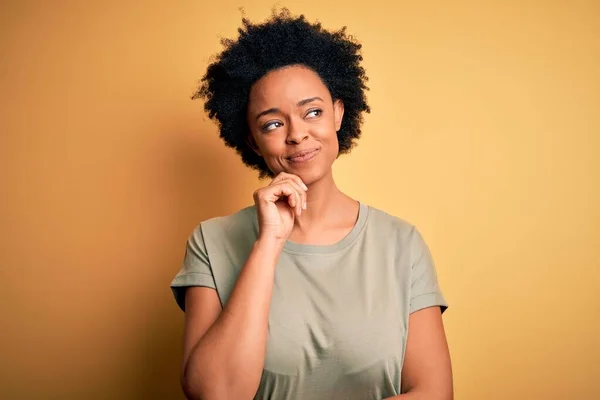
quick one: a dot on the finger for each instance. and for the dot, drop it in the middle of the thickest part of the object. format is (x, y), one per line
(294, 200)
(284, 175)
(302, 188)
(299, 181)
(301, 193)
(284, 189)
(274, 193)
(280, 177)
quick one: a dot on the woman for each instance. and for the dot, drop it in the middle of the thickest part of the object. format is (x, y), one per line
(307, 294)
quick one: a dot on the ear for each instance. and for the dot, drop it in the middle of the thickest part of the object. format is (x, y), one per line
(338, 113)
(252, 144)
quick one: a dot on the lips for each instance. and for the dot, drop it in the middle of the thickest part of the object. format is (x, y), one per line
(303, 156)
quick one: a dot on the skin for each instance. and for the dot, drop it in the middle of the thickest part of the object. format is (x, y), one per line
(290, 110)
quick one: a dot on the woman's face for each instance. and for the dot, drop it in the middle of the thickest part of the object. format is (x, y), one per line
(294, 122)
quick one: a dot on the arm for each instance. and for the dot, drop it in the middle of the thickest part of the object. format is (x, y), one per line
(427, 371)
(224, 350)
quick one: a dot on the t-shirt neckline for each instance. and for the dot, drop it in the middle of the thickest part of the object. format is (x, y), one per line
(299, 248)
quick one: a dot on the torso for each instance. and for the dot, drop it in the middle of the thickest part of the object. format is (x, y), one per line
(338, 320)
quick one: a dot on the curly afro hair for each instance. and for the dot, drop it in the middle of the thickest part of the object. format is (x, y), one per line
(281, 41)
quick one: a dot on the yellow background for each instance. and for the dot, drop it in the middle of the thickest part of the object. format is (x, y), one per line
(485, 133)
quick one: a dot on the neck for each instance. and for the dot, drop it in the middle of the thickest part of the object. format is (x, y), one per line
(323, 197)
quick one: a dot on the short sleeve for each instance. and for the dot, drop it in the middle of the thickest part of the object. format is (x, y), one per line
(195, 268)
(425, 290)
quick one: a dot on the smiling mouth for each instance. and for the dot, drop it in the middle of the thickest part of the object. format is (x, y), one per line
(303, 156)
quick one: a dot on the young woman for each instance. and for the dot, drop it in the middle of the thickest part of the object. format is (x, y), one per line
(308, 293)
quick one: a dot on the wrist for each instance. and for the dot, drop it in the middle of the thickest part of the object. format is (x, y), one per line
(269, 242)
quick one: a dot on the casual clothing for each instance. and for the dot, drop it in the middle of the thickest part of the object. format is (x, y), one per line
(339, 313)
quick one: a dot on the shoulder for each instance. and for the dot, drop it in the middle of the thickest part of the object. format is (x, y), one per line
(241, 226)
(391, 230)
(388, 224)
(244, 217)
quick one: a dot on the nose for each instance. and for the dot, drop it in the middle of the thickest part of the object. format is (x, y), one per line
(296, 133)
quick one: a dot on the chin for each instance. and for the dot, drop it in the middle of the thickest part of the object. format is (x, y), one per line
(310, 176)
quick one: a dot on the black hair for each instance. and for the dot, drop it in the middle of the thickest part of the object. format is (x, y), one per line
(282, 40)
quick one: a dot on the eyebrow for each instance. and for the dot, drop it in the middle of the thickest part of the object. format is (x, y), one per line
(275, 110)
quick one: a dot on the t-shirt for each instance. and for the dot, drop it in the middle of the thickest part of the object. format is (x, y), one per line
(339, 313)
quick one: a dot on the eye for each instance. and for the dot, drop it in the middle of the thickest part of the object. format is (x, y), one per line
(314, 113)
(271, 126)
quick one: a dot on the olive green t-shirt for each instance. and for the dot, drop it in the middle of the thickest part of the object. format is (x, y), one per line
(339, 313)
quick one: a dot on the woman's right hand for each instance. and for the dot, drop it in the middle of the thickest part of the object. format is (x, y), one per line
(278, 204)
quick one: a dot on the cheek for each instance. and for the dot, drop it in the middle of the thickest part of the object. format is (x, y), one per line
(271, 150)
(328, 136)
(270, 145)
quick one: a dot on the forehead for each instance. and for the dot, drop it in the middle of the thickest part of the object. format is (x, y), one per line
(287, 85)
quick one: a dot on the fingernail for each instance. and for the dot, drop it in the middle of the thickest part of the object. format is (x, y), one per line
(304, 205)
(304, 186)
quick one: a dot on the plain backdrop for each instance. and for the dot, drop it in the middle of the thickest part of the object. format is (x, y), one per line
(484, 133)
